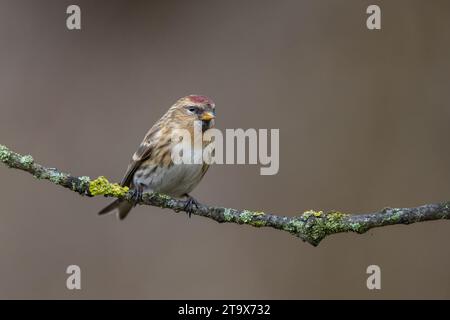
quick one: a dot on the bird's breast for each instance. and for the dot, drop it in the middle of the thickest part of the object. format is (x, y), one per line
(174, 180)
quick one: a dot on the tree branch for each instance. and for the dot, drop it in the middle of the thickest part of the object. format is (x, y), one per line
(311, 226)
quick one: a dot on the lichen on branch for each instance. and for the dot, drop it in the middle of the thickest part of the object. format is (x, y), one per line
(310, 226)
(102, 187)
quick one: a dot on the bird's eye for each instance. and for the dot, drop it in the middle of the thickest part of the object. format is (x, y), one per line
(192, 109)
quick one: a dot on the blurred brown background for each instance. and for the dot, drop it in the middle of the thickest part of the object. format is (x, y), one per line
(364, 123)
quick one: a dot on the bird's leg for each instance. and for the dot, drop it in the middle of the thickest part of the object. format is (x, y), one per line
(190, 204)
(136, 198)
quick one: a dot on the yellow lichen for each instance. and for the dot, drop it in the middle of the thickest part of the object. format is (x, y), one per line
(258, 213)
(101, 186)
(314, 213)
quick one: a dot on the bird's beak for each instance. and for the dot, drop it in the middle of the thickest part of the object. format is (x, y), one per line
(206, 116)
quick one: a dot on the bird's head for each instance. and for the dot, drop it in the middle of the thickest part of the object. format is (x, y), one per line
(195, 108)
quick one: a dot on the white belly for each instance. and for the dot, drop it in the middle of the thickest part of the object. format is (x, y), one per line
(175, 181)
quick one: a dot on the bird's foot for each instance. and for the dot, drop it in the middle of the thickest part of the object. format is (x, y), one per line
(190, 204)
(136, 197)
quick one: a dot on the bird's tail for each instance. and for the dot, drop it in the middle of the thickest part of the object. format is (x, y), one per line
(123, 206)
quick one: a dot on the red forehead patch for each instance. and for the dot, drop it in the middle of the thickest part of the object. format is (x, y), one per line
(200, 99)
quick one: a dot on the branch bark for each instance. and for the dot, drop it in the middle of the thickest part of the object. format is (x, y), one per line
(311, 226)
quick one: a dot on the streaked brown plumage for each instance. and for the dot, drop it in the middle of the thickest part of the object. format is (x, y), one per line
(152, 169)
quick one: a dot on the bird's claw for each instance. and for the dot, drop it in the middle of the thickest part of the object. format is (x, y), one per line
(136, 197)
(189, 206)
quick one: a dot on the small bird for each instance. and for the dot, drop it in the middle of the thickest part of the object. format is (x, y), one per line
(152, 169)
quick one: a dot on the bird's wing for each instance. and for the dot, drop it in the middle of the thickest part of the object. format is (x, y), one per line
(142, 153)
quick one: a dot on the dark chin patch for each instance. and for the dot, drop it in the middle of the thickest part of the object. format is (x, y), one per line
(205, 125)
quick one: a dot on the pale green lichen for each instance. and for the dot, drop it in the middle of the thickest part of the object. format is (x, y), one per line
(85, 180)
(250, 218)
(101, 186)
(257, 223)
(163, 196)
(333, 222)
(295, 226)
(392, 215)
(315, 225)
(258, 213)
(227, 215)
(313, 213)
(27, 161)
(5, 153)
(56, 177)
(246, 216)
(356, 227)
(83, 185)
(394, 218)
